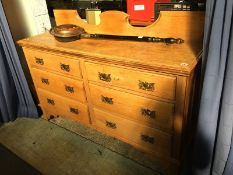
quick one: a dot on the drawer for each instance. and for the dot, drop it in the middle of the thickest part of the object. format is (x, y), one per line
(63, 106)
(154, 84)
(146, 111)
(61, 85)
(148, 138)
(58, 63)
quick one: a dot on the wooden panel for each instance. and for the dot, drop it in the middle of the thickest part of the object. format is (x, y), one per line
(189, 24)
(63, 106)
(150, 139)
(153, 84)
(58, 63)
(179, 116)
(176, 59)
(87, 90)
(144, 110)
(61, 85)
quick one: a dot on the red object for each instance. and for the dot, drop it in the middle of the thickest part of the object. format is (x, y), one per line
(142, 10)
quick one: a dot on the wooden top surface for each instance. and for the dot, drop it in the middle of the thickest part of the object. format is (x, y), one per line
(176, 58)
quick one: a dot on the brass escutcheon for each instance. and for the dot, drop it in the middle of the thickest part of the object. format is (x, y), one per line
(39, 61)
(74, 110)
(69, 89)
(148, 113)
(50, 101)
(147, 138)
(65, 67)
(45, 81)
(110, 124)
(105, 77)
(106, 100)
(146, 86)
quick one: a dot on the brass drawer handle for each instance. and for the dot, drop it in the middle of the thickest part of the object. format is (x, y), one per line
(148, 113)
(105, 77)
(65, 67)
(147, 138)
(39, 61)
(69, 89)
(110, 124)
(146, 86)
(50, 101)
(106, 100)
(74, 110)
(45, 81)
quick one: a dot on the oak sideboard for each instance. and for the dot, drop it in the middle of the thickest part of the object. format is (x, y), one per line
(139, 92)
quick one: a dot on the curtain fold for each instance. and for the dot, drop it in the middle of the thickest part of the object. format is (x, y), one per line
(212, 149)
(15, 97)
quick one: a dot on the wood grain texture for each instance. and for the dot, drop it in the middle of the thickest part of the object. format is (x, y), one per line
(61, 85)
(133, 132)
(179, 117)
(163, 85)
(188, 25)
(131, 107)
(53, 62)
(63, 107)
(88, 94)
(176, 59)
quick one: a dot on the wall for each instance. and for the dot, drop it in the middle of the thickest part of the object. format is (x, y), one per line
(26, 18)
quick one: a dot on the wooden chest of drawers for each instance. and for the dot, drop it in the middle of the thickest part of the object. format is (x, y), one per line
(141, 93)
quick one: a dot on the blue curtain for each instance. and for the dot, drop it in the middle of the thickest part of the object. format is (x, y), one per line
(213, 152)
(15, 97)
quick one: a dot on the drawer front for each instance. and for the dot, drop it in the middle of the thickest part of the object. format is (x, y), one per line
(63, 106)
(154, 84)
(61, 85)
(146, 137)
(144, 110)
(53, 62)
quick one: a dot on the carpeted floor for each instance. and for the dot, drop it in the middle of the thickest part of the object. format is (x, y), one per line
(54, 150)
(108, 142)
(11, 164)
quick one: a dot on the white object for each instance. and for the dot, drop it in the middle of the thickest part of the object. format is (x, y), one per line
(139, 7)
(93, 16)
(27, 17)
